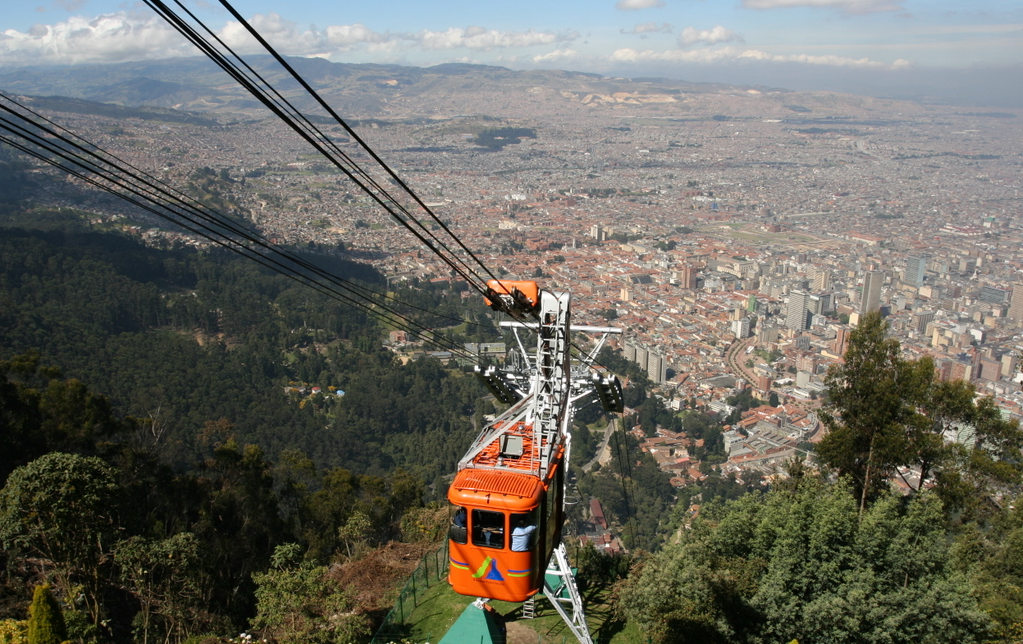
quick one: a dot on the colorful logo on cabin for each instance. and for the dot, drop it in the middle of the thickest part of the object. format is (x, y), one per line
(488, 570)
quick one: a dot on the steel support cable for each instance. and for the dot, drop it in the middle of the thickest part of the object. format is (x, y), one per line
(317, 139)
(147, 201)
(625, 492)
(280, 59)
(227, 243)
(244, 251)
(274, 105)
(220, 219)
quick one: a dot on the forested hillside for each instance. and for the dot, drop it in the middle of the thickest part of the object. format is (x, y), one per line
(158, 403)
(180, 338)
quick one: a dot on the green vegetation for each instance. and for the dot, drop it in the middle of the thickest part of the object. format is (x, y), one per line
(156, 508)
(297, 603)
(886, 412)
(798, 564)
(497, 138)
(45, 618)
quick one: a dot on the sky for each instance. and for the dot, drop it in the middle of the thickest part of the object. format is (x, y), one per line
(863, 46)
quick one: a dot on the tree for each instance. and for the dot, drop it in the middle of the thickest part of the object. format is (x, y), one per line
(355, 531)
(61, 507)
(45, 618)
(801, 563)
(163, 575)
(299, 604)
(13, 631)
(886, 414)
(871, 409)
(984, 462)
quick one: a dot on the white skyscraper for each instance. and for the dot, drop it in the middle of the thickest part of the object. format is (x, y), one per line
(870, 300)
(795, 315)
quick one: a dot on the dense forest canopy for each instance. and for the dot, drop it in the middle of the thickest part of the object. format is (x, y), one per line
(180, 337)
(206, 445)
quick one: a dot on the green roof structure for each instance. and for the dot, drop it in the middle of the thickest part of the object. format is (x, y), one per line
(475, 626)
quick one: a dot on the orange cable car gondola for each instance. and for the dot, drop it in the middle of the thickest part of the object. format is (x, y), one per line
(509, 490)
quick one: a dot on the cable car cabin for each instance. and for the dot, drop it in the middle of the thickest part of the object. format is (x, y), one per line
(507, 519)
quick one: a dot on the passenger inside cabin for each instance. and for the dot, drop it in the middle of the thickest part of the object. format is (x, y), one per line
(488, 528)
(522, 535)
(457, 532)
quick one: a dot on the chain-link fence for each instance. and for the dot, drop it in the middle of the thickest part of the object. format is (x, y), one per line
(432, 569)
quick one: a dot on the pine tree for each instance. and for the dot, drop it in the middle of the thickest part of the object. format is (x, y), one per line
(45, 618)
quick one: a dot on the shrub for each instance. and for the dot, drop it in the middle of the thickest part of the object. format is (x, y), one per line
(45, 618)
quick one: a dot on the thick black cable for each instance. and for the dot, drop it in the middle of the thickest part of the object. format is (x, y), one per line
(253, 236)
(234, 247)
(625, 492)
(275, 106)
(279, 111)
(400, 322)
(311, 134)
(233, 244)
(280, 59)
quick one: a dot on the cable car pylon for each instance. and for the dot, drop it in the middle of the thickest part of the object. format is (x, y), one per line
(509, 492)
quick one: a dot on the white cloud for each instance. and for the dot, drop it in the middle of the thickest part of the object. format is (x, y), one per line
(649, 28)
(128, 36)
(674, 55)
(735, 54)
(106, 38)
(557, 56)
(287, 37)
(349, 35)
(486, 39)
(691, 36)
(847, 6)
(632, 5)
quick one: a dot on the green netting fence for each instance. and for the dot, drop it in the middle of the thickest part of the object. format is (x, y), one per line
(432, 569)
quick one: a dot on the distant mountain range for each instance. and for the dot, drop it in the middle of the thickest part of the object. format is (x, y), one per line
(196, 90)
(358, 91)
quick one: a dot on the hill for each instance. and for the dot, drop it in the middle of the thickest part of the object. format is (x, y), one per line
(367, 91)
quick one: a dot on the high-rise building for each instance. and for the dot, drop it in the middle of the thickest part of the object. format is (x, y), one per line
(841, 341)
(597, 232)
(1016, 304)
(1009, 364)
(629, 352)
(870, 299)
(916, 267)
(741, 328)
(821, 303)
(656, 367)
(796, 313)
(993, 295)
(821, 280)
(990, 369)
(921, 320)
(642, 355)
